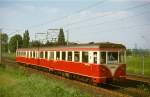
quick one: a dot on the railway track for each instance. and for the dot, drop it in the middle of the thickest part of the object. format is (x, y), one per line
(114, 89)
(132, 88)
(140, 78)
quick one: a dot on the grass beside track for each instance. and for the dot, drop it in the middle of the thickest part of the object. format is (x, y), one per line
(135, 65)
(18, 83)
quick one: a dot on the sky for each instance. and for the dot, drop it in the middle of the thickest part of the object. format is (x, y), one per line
(119, 21)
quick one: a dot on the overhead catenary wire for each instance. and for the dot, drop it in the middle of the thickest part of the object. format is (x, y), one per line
(66, 16)
(130, 8)
(99, 2)
(93, 18)
(110, 21)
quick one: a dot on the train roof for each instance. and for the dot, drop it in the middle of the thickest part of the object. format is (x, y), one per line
(103, 45)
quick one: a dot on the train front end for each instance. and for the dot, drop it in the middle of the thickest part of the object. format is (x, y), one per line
(114, 59)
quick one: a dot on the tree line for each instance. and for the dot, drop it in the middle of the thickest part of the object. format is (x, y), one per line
(17, 41)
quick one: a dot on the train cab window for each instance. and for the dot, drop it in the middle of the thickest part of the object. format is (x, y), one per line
(63, 55)
(57, 55)
(69, 56)
(95, 57)
(51, 55)
(121, 57)
(85, 57)
(76, 56)
(112, 58)
(41, 54)
(103, 58)
(45, 54)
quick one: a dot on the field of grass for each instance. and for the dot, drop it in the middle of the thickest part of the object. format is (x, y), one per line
(11, 55)
(134, 65)
(18, 83)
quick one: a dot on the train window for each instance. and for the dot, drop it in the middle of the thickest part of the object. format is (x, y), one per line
(27, 54)
(95, 57)
(121, 57)
(51, 55)
(30, 54)
(76, 56)
(24, 54)
(37, 54)
(41, 54)
(112, 57)
(33, 54)
(85, 57)
(57, 55)
(63, 55)
(45, 54)
(21, 53)
(103, 58)
(69, 56)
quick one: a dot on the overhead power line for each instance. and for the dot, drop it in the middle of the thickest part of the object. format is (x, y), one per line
(92, 18)
(112, 21)
(63, 17)
(76, 12)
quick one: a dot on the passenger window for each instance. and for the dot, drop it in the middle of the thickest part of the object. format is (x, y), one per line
(41, 54)
(51, 55)
(69, 56)
(85, 57)
(63, 55)
(76, 56)
(57, 55)
(95, 57)
(27, 54)
(30, 54)
(20, 53)
(103, 58)
(34, 54)
(46, 55)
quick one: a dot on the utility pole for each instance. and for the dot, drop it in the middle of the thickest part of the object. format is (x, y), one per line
(53, 34)
(0, 46)
(143, 64)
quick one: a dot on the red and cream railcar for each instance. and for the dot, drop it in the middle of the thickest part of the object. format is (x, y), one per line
(98, 62)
